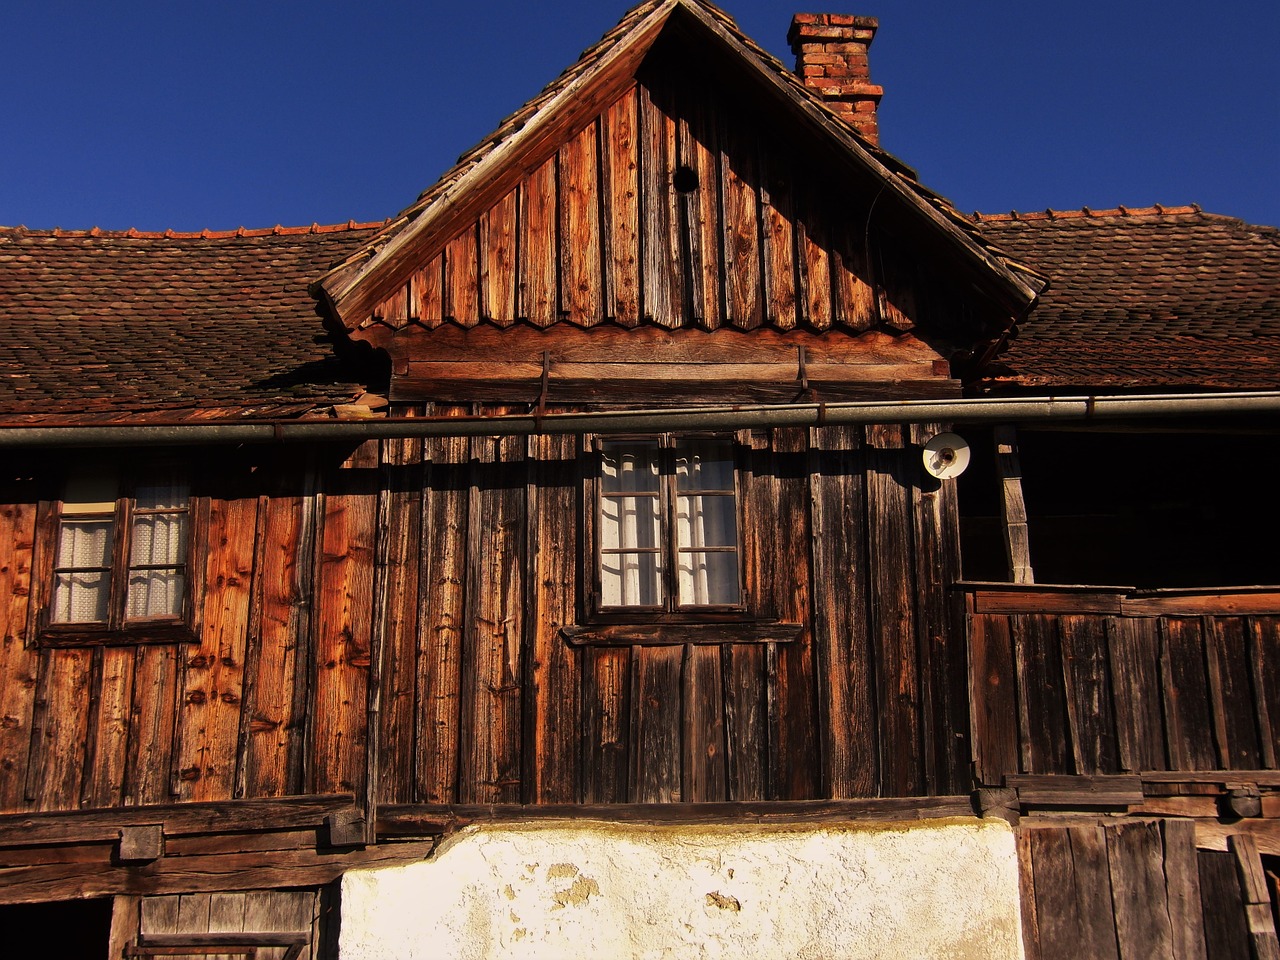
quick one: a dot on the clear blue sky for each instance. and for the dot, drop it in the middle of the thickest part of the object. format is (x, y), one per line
(227, 113)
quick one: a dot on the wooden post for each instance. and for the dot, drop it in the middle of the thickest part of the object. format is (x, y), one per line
(1013, 509)
(1257, 901)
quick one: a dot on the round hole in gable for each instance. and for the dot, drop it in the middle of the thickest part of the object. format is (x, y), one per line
(685, 180)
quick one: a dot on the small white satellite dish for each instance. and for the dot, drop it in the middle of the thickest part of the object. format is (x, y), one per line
(946, 456)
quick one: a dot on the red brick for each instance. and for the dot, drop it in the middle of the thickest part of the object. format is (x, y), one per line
(815, 70)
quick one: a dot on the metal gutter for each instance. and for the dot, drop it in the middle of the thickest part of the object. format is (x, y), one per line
(973, 410)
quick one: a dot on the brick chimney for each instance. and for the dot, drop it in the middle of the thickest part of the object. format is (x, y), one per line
(831, 60)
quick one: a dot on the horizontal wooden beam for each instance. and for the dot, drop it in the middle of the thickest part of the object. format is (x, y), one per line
(656, 634)
(1001, 598)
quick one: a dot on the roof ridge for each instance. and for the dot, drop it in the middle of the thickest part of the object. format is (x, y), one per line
(205, 234)
(1156, 210)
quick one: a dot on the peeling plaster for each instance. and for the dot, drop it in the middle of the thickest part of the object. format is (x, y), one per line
(945, 888)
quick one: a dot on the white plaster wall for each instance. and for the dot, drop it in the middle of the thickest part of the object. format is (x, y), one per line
(582, 889)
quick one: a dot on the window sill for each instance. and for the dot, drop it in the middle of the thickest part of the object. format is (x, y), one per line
(675, 634)
(1001, 598)
(96, 635)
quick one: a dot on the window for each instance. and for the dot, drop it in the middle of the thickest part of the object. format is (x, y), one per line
(667, 526)
(120, 554)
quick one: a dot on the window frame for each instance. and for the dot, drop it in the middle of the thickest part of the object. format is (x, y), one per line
(118, 628)
(671, 611)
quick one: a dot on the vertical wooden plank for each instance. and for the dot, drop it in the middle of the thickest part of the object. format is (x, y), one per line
(698, 154)
(159, 914)
(553, 694)
(1133, 646)
(656, 727)
(396, 606)
(498, 261)
(462, 278)
(538, 260)
(19, 664)
(1057, 907)
(193, 913)
(840, 610)
(491, 707)
(1257, 899)
(60, 729)
(993, 701)
(777, 233)
(1013, 509)
(705, 775)
(739, 183)
(343, 625)
(893, 585)
(104, 783)
(1222, 904)
(154, 713)
(1264, 647)
(746, 732)
(125, 919)
(289, 911)
(813, 258)
(621, 190)
(1088, 691)
(606, 722)
(1044, 732)
(662, 261)
(1093, 892)
(214, 674)
(252, 652)
(581, 299)
(797, 745)
(1027, 895)
(1135, 856)
(440, 621)
(1187, 717)
(855, 300)
(1231, 694)
(1182, 889)
(426, 293)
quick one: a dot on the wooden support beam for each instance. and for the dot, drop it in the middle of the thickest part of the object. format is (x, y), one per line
(141, 843)
(1257, 901)
(1013, 509)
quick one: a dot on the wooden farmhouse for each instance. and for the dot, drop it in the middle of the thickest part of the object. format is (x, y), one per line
(678, 533)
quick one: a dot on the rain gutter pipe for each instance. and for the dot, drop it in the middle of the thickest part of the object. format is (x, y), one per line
(971, 410)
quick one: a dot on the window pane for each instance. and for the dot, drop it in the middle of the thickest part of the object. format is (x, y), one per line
(627, 523)
(155, 593)
(159, 538)
(708, 578)
(631, 580)
(707, 521)
(629, 466)
(166, 493)
(85, 543)
(81, 598)
(704, 465)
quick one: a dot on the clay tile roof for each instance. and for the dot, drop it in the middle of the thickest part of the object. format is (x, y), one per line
(100, 325)
(1144, 298)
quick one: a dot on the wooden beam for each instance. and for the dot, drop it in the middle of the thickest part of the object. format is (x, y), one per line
(1013, 509)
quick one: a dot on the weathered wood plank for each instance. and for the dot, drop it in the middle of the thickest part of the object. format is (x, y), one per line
(493, 627)
(856, 302)
(777, 232)
(1257, 898)
(581, 294)
(426, 292)
(1133, 648)
(498, 230)
(462, 278)
(1231, 694)
(698, 154)
(1088, 694)
(442, 593)
(1182, 889)
(538, 231)
(1027, 894)
(156, 692)
(1057, 907)
(1044, 734)
(1093, 892)
(747, 741)
(739, 200)
(1135, 856)
(621, 191)
(1264, 641)
(1226, 929)
(705, 775)
(606, 723)
(656, 726)
(19, 664)
(553, 685)
(841, 605)
(993, 701)
(662, 260)
(813, 260)
(893, 585)
(60, 729)
(343, 626)
(214, 670)
(107, 763)
(396, 605)
(1187, 715)
(1013, 509)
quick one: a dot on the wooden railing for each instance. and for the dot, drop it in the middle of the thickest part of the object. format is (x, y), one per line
(1083, 680)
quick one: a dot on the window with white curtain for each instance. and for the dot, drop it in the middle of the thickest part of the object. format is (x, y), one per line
(120, 549)
(667, 525)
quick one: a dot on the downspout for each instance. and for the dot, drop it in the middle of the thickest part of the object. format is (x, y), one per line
(968, 410)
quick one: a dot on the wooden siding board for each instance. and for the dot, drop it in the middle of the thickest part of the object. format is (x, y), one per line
(554, 678)
(841, 606)
(1135, 856)
(747, 739)
(621, 192)
(153, 718)
(705, 775)
(442, 593)
(1088, 693)
(814, 262)
(60, 729)
(606, 723)
(740, 202)
(1231, 687)
(662, 257)
(461, 276)
(1186, 695)
(106, 765)
(656, 725)
(538, 245)
(698, 150)
(1266, 668)
(581, 296)
(19, 663)
(214, 669)
(498, 263)
(1044, 733)
(343, 627)
(1182, 889)
(491, 768)
(777, 238)
(1226, 931)
(1133, 646)
(893, 585)
(426, 293)
(993, 698)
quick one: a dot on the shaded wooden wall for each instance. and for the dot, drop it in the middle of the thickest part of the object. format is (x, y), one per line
(428, 589)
